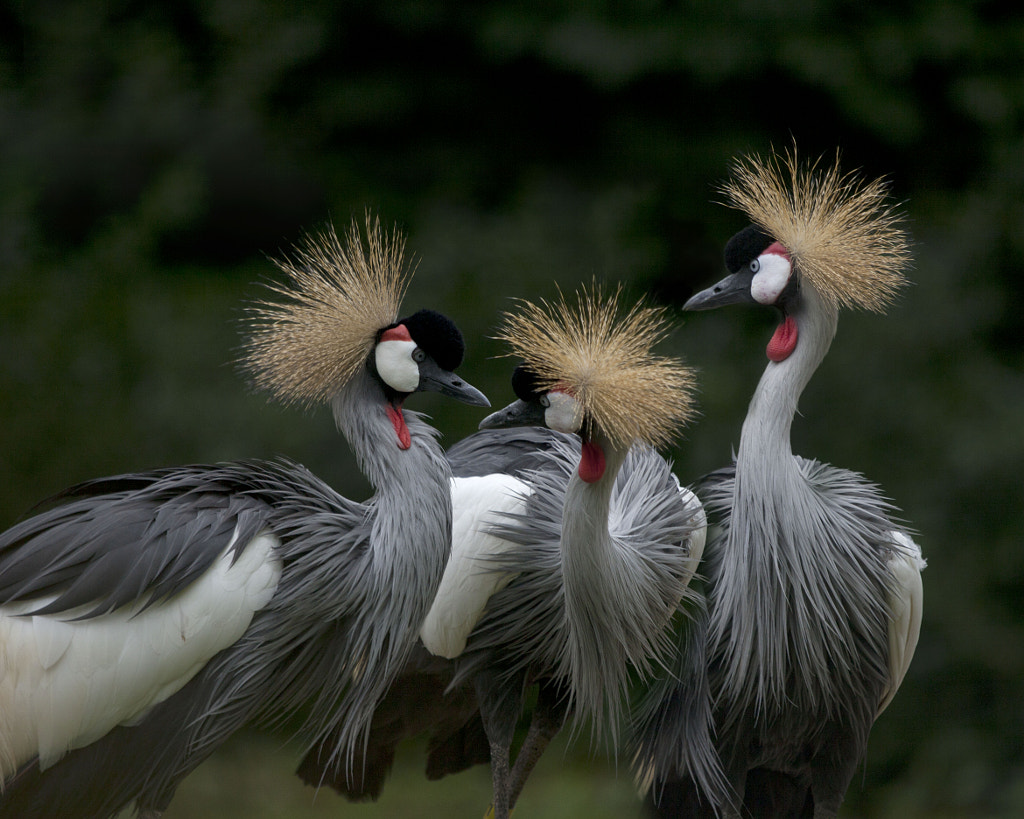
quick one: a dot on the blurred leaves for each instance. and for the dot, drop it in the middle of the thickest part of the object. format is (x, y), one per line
(155, 152)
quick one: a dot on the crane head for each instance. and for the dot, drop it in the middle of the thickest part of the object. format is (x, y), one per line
(812, 227)
(419, 354)
(837, 233)
(337, 313)
(535, 406)
(760, 272)
(588, 368)
(555, 408)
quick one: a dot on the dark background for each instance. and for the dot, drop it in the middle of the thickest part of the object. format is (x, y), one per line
(152, 155)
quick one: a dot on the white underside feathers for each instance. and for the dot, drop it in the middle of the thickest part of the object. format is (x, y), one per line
(470, 577)
(906, 606)
(65, 683)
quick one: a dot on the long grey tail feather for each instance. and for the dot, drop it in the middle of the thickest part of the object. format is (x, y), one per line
(672, 731)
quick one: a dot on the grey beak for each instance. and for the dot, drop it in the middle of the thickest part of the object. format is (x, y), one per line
(434, 379)
(733, 289)
(517, 414)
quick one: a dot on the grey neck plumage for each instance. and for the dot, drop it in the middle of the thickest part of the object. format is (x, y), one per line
(411, 531)
(766, 429)
(617, 600)
(768, 592)
(410, 518)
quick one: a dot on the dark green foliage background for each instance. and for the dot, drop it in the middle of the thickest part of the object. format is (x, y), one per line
(153, 154)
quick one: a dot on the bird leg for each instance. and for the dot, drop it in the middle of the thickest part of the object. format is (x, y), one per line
(545, 723)
(500, 704)
(501, 806)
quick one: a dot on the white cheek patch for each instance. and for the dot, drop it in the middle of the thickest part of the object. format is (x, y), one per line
(395, 365)
(771, 279)
(564, 413)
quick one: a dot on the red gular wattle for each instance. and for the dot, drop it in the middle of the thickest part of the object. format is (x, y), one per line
(398, 422)
(592, 462)
(783, 340)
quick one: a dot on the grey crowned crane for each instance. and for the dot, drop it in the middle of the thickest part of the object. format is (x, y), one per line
(814, 591)
(148, 616)
(581, 571)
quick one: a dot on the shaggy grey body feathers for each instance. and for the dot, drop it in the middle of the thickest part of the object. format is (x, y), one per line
(594, 645)
(816, 641)
(526, 630)
(321, 642)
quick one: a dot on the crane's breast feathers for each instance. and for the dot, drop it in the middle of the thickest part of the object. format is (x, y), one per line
(870, 565)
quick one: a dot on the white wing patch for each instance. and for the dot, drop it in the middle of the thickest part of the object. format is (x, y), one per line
(906, 606)
(470, 577)
(699, 521)
(66, 683)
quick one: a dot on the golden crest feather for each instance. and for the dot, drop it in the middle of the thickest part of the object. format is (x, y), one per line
(602, 356)
(307, 345)
(842, 235)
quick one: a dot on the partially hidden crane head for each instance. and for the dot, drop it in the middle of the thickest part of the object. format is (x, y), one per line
(588, 369)
(811, 227)
(337, 313)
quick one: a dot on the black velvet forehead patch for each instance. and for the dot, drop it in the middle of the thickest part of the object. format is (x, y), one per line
(745, 246)
(437, 335)
(524, 384)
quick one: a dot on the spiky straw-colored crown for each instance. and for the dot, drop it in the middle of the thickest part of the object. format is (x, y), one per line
(842, 235)
(308, 345)
(603, 358)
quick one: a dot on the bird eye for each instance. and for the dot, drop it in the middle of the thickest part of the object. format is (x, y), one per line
(755, 265)
(419, 355)
(544, 401)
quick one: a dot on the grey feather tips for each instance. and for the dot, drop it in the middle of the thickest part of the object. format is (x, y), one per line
(843, 236)
(305, 344)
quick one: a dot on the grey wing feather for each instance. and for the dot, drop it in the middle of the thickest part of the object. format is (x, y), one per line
(514, 451)
(321, 536)
(145, 535)
(108, 549)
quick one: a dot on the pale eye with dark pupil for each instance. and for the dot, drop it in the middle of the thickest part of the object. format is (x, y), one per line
(544, 401)
(755, 266)
(418, 355)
